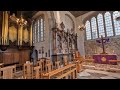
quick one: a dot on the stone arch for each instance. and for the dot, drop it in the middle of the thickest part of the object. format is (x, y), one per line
(67, 15)
(50, 21)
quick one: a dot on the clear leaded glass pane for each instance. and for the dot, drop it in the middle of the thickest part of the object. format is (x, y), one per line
(88, 30)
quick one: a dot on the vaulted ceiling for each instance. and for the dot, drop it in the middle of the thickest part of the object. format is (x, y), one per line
(29, 14)
(78, 13)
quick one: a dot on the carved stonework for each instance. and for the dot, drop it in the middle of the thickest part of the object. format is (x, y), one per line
(63, 41)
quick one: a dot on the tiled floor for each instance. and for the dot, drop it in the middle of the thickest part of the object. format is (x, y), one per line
(96, 74)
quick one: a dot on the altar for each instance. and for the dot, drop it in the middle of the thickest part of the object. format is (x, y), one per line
(104, 58)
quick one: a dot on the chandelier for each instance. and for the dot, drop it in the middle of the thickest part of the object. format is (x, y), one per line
(19, 21)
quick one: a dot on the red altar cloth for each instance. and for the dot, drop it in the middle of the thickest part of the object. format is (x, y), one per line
(104, 58)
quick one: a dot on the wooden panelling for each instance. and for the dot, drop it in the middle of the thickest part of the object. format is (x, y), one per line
(7, 58)
(24, 56)
(1, 59)
(13, 57)
(16, 57)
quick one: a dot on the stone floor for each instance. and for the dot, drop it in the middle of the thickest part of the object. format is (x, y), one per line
(97, 74)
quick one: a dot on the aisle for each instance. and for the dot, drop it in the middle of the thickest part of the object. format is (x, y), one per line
(96, 74)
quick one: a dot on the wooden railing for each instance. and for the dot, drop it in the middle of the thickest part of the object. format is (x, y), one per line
(69, 70)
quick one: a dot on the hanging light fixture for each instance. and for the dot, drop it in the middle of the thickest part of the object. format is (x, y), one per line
(82, 26)
(19, 21)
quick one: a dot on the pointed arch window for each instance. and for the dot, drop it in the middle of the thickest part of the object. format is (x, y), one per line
(108, 24)
(94, 28)
(100, 25)
(38, 29)
(88, 30)
(116, 23)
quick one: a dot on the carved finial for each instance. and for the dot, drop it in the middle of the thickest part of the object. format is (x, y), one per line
(62, 26)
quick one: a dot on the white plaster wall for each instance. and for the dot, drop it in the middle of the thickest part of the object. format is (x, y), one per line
(81, 34)
(45, 43)
(60, 17)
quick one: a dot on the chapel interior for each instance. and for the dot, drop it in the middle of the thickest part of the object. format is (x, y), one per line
(59, 44)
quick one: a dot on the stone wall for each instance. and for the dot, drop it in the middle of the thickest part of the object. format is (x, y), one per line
(46, 42)
(112, 47)
(59, 16)
(81, 34)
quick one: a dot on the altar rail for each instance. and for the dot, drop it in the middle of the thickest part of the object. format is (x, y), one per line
(69, 70)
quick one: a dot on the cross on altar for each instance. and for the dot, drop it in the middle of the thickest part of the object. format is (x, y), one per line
(103, 41)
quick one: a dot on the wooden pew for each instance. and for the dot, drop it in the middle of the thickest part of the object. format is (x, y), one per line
(61, 72)
(57, 64)
(72, 74)
(37, 73)
(41, 64)
(8, 72)
(49, 67)
(1, 65)
(65, 61)
(28, 71)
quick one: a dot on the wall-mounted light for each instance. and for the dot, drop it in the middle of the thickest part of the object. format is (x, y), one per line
(82, 26)
(19, 21)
